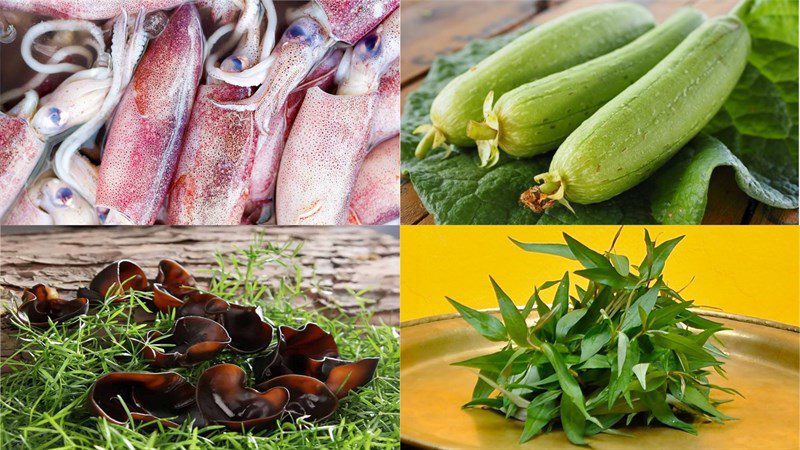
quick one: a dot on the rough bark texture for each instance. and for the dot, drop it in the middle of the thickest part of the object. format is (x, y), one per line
(334, 260)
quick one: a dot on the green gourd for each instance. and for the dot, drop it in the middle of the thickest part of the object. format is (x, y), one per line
(638, 131)
(536, 117)
(549, 48)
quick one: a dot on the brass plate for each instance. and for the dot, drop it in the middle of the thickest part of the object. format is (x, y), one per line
(763, 366)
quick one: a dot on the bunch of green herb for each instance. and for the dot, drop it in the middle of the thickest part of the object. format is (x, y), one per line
(43, 393)
(625, 345)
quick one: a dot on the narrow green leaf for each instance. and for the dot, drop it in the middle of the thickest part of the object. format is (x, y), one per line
(493, 361)
(647, 302)
(596, 362)
(589, 258)
(621, 264)
(565, 379)
(606, 421)
(483, 389)
(547, 322)
(595, 340)
(640, 370)
(567, 321)
(561, 298)
(526, 311)
(549, 284)
(514, 322)
(494, 403)
(550, 249)
(642, 317)
(516, 399)
(619, 380)
(681, 344)
(622, 351)
(487, 325)
(660, 255)
(657, 403)
(573, 420)
(540, 412)
(693, 397)
(606, 276)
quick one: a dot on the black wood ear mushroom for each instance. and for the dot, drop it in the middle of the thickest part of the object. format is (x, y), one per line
(175, 278)
(41, 303)
(224, 399)
(307, 396)
(116, 278)
(164, 397)
(190, 341)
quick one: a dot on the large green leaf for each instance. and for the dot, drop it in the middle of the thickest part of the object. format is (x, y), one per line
(756, 134)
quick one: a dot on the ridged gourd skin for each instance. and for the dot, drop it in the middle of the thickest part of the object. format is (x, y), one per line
(546, 49)
(638, 131)
(538, 116)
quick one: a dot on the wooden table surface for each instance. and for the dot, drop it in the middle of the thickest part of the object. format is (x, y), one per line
(438, 27)
(334, 260)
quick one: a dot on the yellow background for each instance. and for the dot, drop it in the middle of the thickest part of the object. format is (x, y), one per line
(750, 270)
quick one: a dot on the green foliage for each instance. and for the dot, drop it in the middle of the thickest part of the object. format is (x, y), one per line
(755, 133)
(42, 404)
(628, 345)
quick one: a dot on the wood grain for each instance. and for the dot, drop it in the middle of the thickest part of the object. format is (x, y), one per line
(432, 28)
(335, 260)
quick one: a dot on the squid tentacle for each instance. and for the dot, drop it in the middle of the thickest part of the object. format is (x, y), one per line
(39, 29)
(39, 78)
(239, 68)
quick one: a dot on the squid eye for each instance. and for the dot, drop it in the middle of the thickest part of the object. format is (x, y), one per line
(64, 196)
(54, 115)
(50, 121)
(296, 30)
(305, 30)
(372, 43)
(232, 64)
(102, 213)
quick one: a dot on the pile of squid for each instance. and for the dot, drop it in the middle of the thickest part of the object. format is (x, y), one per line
(209, 112)
(300, 376)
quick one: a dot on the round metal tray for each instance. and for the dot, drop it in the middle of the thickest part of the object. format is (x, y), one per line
(763, 366)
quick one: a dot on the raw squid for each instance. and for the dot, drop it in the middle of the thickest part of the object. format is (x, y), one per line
(331, 135)
(210, 186)
(146, 134)
(376, 195)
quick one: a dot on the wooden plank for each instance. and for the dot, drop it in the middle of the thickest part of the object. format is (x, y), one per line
(767, 215)
(727, 203)
(433, 28)
(411, 209)
(333, 260)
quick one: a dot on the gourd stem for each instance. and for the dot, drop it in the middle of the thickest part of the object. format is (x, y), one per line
(549, 188)
(425, 144)
(480, 131)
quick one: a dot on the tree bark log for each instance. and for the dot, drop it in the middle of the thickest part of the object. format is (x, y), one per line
(334, 260)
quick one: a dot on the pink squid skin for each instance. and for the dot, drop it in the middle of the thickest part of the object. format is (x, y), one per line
(210, 185)
(20, 151)
(386, 118)
(145, 137)
(350, 20)
(99, 9)
(25, 212)
(375, 199)
(271, 145)
(323, 155)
